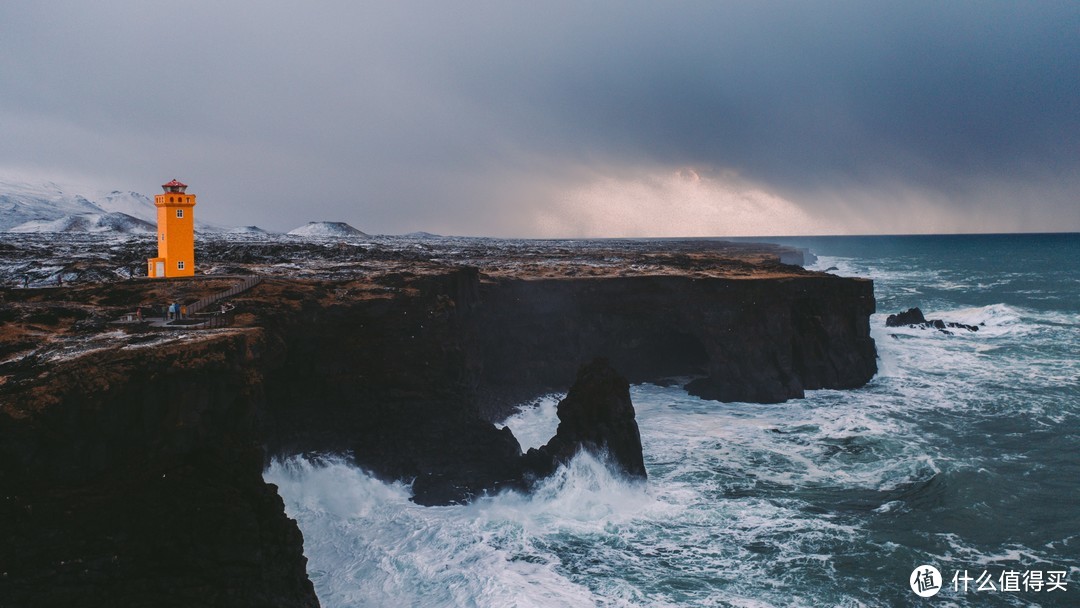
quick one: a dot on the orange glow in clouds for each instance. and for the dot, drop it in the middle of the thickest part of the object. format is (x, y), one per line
(681, 203)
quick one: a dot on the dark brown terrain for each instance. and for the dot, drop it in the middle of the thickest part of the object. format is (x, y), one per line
(131, 456)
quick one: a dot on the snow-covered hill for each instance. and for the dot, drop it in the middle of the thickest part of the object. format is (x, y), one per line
(130, 203)
(246, 230)
(88, 222)
(326, 230)
(51, 207)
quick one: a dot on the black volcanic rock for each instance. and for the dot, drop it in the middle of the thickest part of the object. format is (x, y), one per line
(596, 416)
(477, 459)
(913, 317)
(760, 341)
(748, 388)
(135, 479)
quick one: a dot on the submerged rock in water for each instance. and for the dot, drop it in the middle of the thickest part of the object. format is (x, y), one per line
(596, 416)
(913, 317)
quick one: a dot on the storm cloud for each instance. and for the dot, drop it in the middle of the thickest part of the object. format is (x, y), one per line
(559, 118)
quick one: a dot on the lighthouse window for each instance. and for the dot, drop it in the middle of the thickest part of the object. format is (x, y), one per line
(180, 265)
(179, 213)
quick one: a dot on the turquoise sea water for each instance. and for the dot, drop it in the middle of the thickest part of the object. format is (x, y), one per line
(962, 453)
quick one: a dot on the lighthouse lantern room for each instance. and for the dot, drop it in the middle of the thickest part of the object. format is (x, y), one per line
(175, 233)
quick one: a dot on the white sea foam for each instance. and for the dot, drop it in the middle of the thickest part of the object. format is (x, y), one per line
(841, 266)
(535, 422)
(369, 546)
(992, 320)
(964, 555)
(588, 537)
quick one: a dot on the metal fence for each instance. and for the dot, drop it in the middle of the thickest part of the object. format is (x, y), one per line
(194, 317)
(212, 320)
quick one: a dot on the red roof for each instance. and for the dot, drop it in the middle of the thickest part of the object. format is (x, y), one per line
(174, 183)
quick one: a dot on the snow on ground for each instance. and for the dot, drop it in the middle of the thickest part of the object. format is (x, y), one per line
(42, 260)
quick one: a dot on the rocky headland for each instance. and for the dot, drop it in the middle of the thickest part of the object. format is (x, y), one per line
(131, 458)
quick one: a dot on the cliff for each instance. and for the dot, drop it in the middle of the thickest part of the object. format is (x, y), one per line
(132, 477)
(384, 377)
(761, 340)
(131, 462)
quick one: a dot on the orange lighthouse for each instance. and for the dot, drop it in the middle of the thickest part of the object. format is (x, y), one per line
(176, 233)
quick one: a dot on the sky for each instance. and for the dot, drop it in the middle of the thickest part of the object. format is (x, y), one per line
(559, 119)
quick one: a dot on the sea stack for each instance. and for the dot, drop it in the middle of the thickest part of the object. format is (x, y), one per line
(596, 416)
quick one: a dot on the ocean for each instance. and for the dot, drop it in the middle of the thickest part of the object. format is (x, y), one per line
(963, 454)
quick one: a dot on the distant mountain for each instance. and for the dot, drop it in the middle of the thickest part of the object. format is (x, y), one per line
(246, 230)
(326, 230)
(50, 207)
(88, 222)
(423, 235)
(129, 203)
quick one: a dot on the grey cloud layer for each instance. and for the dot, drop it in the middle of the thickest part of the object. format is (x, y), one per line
(448, 116)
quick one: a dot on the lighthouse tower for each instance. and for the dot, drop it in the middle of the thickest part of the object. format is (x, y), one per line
(175, 233)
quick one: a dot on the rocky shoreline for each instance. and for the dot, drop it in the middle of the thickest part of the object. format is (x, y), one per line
(132, 463)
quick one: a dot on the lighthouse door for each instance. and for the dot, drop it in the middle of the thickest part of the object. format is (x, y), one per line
(159, 269)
